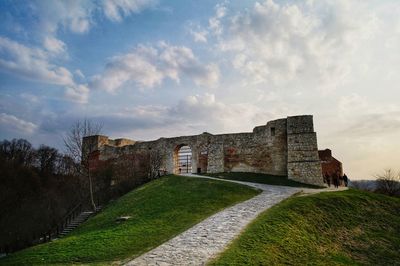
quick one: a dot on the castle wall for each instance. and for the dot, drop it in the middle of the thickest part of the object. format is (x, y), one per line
(303, 161)
(285, 147)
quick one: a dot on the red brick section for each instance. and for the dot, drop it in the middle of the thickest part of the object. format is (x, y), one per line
(124, 167)
(330, 164)
(94, 161)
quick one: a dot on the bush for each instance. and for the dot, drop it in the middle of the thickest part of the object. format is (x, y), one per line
(388, 183)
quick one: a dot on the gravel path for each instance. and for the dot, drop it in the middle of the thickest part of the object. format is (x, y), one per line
(209, 237)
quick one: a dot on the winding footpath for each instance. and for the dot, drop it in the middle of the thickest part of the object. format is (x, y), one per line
(208, 238)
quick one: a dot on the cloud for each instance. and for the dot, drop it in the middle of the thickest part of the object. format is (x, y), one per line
(79, 73)
(75, 16)
(214, 23)
(199, 36)
(191, 115)
(360, 118)
(149, 65)
(13, 123)
(115, 10)
(32, 99)
(54, 45)
(34, 64)
(205, 112)
(311, 43)
(77, 93)
(31, 63)
(369, 126)
(78, 16)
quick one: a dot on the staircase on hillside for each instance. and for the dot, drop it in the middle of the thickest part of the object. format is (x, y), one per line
(81, 218)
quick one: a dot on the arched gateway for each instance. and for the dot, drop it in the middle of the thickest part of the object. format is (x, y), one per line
(183, 159)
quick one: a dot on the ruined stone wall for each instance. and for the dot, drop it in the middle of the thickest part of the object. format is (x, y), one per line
(303, 161)
(286, 147)
(263, 151)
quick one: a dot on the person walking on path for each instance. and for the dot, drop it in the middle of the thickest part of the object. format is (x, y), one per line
(328, 179)
(341, 183)
(345, 179)
(336, 180)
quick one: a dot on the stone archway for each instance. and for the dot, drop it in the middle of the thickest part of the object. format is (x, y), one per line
(183, 159)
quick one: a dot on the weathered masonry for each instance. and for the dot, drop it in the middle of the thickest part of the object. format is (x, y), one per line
(286, 147)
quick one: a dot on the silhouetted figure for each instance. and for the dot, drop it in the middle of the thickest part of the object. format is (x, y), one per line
(345, 179)
(336, 180)
(180, 170)
(328, 179)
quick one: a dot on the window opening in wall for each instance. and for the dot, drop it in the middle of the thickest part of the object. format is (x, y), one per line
(272, 131)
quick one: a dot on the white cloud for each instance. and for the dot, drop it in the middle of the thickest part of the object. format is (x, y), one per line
(54, 45)
(205, 112)
(365, 119)
(79, 73)
(31, 63)
(214, 23)
(75, 16)
(148, 66)
(311, 43)
(115, 10)
(351, 104)
(362, 132)
(207, 76)
(32, 99)
(34, 64)
(191, 115)
(200, 112)
(77, 93)
(78, 16)
(199, 35)
(13, 123)
(136, 66)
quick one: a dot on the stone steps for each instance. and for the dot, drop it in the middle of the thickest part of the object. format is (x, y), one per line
(78, 221)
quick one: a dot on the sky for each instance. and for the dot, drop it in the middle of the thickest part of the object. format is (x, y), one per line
(151, 68)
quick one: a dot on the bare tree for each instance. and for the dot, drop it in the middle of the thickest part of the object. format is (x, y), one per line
(155, 163)
(47, 158)
(18, 150)
(74, 144)
(388, 182)
(65, 165)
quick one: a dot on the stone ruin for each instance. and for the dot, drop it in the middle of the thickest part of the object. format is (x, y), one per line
(283, 147)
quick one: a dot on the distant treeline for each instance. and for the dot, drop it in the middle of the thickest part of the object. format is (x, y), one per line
(387, 183)
(39, 186)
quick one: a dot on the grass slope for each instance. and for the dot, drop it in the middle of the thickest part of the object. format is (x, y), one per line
(160, 210)
(262, 178)
(341, 228)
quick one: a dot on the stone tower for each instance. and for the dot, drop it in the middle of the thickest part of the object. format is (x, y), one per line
(303, 161)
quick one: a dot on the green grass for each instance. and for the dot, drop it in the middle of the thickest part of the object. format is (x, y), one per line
(160, 210)
(262, 178)
(338, 228)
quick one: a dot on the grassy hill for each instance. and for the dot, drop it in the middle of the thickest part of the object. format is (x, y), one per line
(160, 210)
(341, 228)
